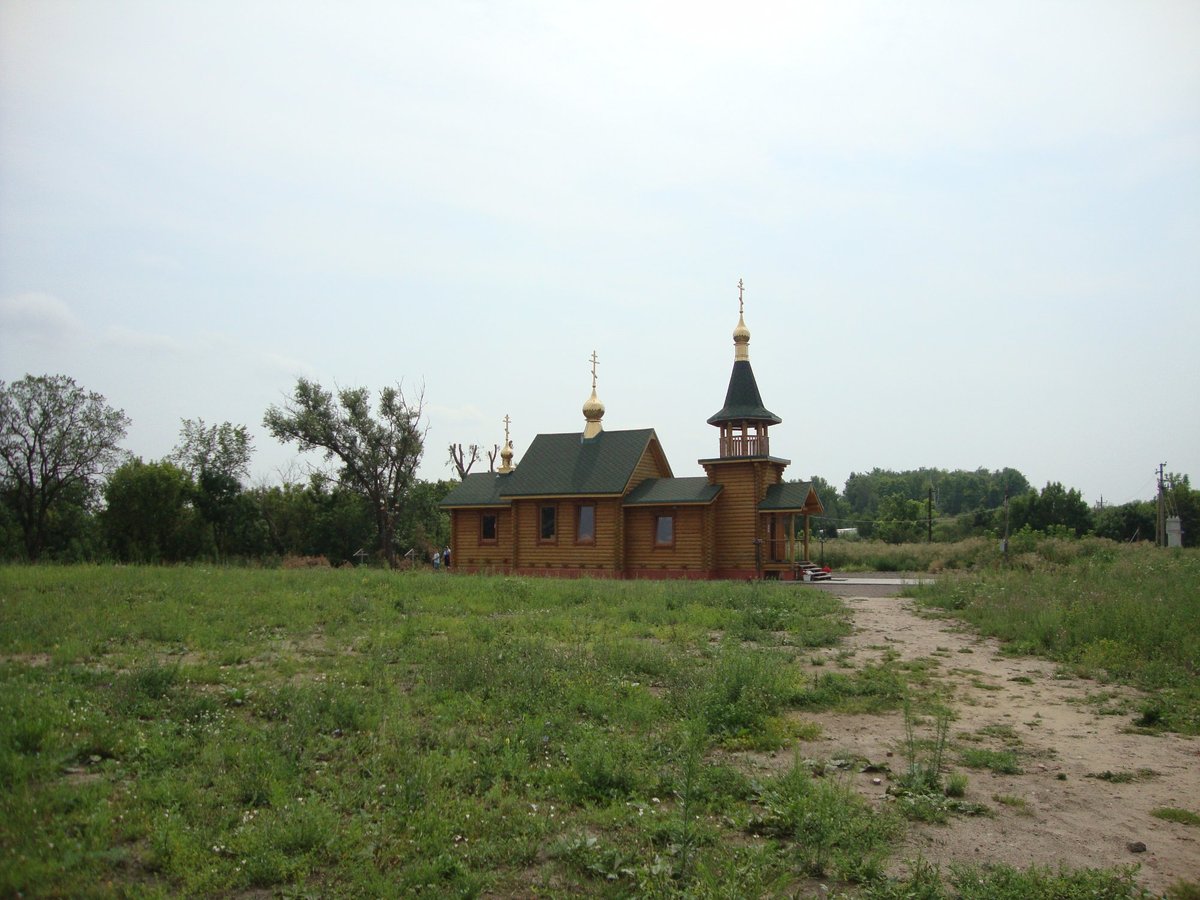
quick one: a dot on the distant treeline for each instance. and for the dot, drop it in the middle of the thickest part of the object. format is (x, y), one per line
(156, 512)
(950, 505)
(68, 492)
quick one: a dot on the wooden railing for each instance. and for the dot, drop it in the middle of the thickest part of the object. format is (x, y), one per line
(745, 445)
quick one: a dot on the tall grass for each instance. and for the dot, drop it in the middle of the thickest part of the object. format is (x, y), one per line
(1026, 550)
(1128, 613)
(199, 731)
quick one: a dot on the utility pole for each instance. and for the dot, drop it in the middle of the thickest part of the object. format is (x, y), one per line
(1005, 544)
(1160, 520)
(929, 516)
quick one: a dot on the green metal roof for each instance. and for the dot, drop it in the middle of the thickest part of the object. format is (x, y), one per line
(792, 496)
(568, 464)
(743, 403)
(673, 492)
(480, 489)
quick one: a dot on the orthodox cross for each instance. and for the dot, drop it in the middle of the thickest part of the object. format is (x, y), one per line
(741, 307)
(595, 361)
(507, 422)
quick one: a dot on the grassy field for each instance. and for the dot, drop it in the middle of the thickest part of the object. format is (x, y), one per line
(1130, 614)
(193, 731)
(1027, 552)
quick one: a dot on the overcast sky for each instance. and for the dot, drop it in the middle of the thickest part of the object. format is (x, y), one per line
(969, 232)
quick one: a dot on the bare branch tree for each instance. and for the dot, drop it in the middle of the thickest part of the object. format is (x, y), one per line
(492, 455)
(463, 460)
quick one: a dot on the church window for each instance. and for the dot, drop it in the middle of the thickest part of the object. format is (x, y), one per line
(585, 532)
(487, 528)
(549, 524)
(664, 531)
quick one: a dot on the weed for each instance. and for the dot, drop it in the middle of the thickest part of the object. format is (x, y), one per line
(1001, 882)
(999, 762)
(741, 695)
(604, 767)
(870, 689)
(1124, 777)
(925, 881)
(828, 826)
(924, 770)
(1018, 804)
(919, 792)
(956, 785)
(1184, 890)
(1005, 733)
(1174, 814)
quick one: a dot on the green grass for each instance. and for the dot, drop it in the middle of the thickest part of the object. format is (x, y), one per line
(209, 731)
(193, 731)
(999, 762)
(1026, 551)
(1001, 882)
(848, 555)
(1130, 614)
(1018, 804)
(1123, 777)
(1177, 815)
(826, 827)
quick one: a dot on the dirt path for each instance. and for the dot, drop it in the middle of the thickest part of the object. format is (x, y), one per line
(1057, 811)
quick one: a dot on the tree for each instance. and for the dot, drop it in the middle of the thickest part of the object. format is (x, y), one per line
(828, 523)
(54, 437)
(1128, 522)
(218, 458)
(899, 519)
(1056, 507)
(378, 456)
(148, 515)
(1184, 502)
(425, 525)
(463, 460)
(223, 449)
(321, 518)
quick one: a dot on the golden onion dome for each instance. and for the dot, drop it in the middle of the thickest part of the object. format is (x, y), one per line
(741, 334)
(593, 409)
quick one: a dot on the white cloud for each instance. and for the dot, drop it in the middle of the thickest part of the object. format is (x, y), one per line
(38, 316)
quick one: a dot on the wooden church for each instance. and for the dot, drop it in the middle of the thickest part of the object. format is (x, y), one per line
(606, 503)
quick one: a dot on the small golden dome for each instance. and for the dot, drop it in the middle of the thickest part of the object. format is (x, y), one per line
(593, 409)
(741, 334)
(506, 457)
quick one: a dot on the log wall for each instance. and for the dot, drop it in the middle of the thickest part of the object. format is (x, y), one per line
(738, 523)
(687, 555)
(565, 552)
(468, 552)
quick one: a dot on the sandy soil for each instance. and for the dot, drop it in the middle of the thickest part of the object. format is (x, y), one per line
(1061, 738)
